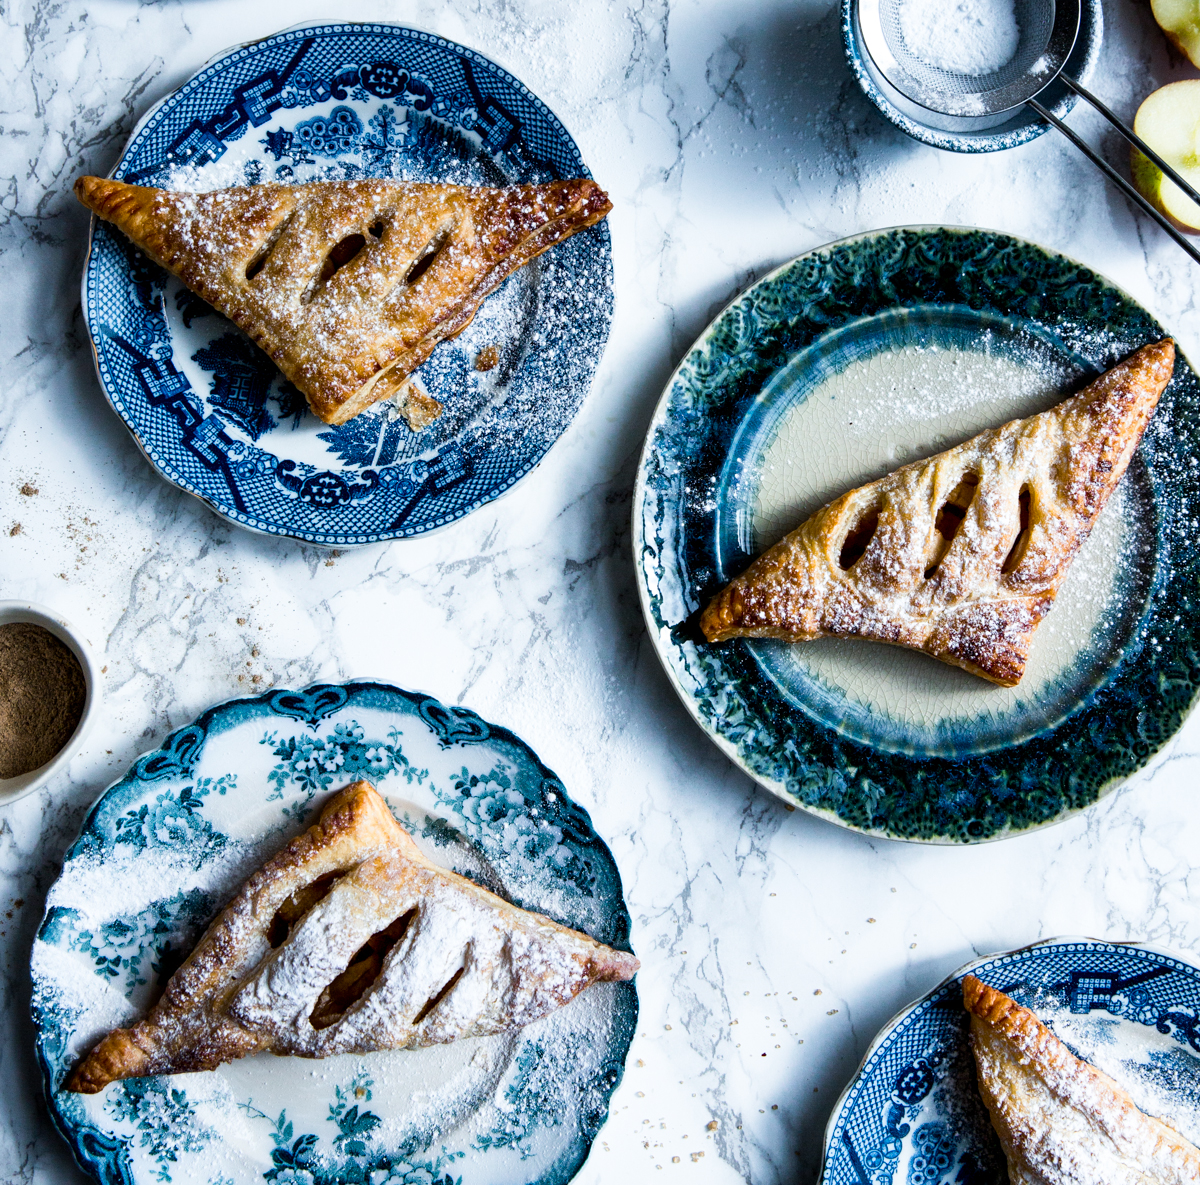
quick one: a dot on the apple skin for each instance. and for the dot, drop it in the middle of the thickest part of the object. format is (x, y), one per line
(1169, 122)
(1180, 20)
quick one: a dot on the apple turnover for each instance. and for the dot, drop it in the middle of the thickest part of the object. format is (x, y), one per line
(1060, 1120)
(960, 555)
(351, 941)
(347, 285)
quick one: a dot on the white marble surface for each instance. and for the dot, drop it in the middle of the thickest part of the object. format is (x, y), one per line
(732, 137)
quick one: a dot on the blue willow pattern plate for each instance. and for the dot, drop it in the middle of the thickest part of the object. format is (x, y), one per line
(165, 847)
(828, 373)
(912, 1114)
(209, 409)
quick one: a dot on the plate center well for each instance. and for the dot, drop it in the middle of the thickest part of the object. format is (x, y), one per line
(872, 396)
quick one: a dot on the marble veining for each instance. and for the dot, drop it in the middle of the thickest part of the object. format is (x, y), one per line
(731, 137)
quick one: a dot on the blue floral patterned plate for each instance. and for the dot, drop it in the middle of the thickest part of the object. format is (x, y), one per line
(913, 1114)
(834, 370)
(209, 409)
(165, 847)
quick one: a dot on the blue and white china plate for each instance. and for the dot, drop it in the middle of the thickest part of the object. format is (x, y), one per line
(834, 370)
(913, 1112)
(165, 847)
(209, 409)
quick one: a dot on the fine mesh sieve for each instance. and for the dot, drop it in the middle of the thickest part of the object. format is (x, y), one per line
(971, 102)
(962, 102)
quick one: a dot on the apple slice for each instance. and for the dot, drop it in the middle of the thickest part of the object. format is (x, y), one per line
(1180, 20)
(1169, 122)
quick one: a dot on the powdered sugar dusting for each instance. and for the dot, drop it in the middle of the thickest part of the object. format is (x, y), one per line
(488, 966)
(961, 36)
(888, 409)
(1159, 1072)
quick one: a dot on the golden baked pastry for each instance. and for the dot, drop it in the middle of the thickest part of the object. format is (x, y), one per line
(348, 285)
(1060, 1120)
(351, 941)
(959, 555)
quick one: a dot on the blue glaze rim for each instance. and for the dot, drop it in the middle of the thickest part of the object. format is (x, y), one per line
(1111, 733)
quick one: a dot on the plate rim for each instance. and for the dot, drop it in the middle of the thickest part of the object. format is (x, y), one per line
(886, 1030)
(203, 720)
(638, 542)
(329, 539)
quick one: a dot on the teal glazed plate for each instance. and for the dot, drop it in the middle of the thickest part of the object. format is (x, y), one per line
(836, 369)
(913, 1112)
(165, 847)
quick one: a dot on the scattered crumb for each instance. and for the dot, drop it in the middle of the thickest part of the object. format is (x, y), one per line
(28, 490)
(418, 407)
(487, 358)
(712, 1126)
(241, 621)
(15, 529)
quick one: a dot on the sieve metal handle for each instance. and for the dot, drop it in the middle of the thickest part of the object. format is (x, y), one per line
(1131, 136)
(1115, 177)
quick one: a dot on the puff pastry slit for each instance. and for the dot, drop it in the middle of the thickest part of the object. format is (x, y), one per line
(347, 285)
(350, 941)
(960, 555)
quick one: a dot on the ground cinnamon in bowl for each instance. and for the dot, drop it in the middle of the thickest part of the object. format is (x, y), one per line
(42, 697)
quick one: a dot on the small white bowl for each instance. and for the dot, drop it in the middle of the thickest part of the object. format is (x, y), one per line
(12, 612)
